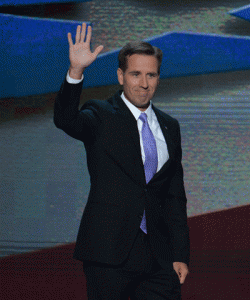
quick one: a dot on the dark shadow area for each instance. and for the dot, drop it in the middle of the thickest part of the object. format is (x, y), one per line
(175, 6)
(79, 11)
(67, 11)
(237, 26)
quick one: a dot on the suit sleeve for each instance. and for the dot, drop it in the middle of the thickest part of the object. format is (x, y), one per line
(79, 124)
(176, 209)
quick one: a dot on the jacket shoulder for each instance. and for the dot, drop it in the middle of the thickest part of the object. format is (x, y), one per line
(104, 106)
(166, 117)
(97, 104)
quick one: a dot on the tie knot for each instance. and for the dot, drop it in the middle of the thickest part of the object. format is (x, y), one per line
(143, 117)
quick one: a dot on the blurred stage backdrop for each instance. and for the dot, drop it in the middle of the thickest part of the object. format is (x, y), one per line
(205, 84)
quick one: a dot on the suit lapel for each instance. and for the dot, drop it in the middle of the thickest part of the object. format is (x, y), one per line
(131, 145)
(131, 140)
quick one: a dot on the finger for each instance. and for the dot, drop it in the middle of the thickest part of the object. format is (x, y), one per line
(78, 30)
(83, 32)
(70, 39)
(182, 279)
(98, 50)
(183, 276)
(89, 34)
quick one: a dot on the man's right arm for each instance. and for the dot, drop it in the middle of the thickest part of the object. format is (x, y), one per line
(66, 113)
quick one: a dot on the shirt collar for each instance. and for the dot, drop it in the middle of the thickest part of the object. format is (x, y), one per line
(135, 111)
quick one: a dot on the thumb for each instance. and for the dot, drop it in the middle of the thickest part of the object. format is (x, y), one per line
(179, 274)
(182, 278)
(98, 50)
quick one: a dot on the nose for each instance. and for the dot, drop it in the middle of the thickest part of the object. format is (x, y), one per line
(144, 82)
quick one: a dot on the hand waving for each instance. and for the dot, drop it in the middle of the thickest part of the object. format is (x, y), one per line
(80, 54)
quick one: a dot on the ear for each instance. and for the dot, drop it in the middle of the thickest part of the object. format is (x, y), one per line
(120, 76)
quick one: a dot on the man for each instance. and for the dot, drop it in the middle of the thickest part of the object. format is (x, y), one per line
(133, 237)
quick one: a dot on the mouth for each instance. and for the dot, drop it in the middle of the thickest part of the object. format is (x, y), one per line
(143, 93)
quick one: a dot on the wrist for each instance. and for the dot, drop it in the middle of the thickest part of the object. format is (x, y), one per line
(76, 73)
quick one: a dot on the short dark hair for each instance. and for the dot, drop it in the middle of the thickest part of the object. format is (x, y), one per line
(138, 47)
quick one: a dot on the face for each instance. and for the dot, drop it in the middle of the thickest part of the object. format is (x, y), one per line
(140, 80)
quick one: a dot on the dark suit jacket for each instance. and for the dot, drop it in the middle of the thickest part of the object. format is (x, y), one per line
(119, 193)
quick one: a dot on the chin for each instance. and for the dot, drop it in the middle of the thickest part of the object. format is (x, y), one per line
(143, 106)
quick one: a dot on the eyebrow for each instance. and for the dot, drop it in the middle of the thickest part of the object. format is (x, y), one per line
(138, 72)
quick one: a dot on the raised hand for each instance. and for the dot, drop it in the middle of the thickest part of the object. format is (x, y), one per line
(80, 55)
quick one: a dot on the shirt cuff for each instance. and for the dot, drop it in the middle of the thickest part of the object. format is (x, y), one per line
(73, 81)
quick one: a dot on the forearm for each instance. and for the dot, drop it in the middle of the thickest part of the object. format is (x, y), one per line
(176, 216)
(180, 241)
(67, 103)
(175, 213)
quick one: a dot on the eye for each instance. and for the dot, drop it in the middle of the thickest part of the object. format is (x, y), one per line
(152, 75)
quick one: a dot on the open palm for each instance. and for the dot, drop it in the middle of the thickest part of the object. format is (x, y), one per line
(80, 54)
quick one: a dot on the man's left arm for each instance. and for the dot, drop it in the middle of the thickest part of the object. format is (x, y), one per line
(176, 214)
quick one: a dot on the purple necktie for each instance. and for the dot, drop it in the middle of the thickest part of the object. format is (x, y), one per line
(151, 158)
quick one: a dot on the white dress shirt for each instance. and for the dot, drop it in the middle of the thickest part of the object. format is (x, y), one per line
(73, 81)
(162, 150)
